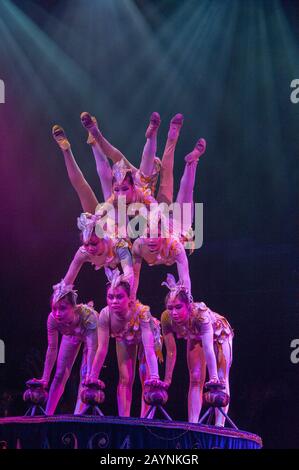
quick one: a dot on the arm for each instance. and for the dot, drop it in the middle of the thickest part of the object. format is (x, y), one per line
(75, 266)
(171, 349)
(103, 343)
(137, 262)
(183, 268)
(51, 351)
(208, 347)
(126, 264)
(92, 347)
(149, 350)
(170, 345)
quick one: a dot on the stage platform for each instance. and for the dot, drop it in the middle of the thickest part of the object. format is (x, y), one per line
(89, 432)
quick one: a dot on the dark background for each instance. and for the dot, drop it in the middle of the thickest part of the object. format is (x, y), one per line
(227, 66)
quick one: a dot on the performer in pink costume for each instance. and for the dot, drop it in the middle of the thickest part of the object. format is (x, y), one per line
(146, 177)
(170, 250)
(209, 342)
(136, 332)
(99, 251)
(77, 324)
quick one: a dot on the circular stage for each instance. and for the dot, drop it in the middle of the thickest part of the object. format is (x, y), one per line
(89, 432)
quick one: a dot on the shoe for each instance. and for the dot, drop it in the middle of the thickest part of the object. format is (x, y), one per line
(91, 125)
(175, 126)
(197, 152)
(153, 126)
(60, 137)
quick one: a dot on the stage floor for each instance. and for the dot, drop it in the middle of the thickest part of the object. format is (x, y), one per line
(89, 432)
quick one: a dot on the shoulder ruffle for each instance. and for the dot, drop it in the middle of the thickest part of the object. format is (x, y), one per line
(89, 316)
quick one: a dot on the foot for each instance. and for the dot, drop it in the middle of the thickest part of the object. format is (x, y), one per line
(153, 126)
(197, 152)
(175, 126)
(91, 125)
(60, 137)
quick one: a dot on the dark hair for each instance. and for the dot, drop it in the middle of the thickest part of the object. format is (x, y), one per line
(128, 178)
(67, 298)
(182, 295)
(125, 285)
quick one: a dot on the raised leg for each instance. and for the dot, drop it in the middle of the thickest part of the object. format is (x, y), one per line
(185, 194)
(86, 195)
(111, 152)
(66, 357)
(165, 193)
(150, 148)
(126, 358)
(103, 169)
(197, 375)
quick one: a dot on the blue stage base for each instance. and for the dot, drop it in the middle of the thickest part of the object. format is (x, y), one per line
(86, 432)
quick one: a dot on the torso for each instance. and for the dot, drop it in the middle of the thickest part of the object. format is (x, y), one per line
(200, 316)
(86, 318)
(128, 330)
(167, 254)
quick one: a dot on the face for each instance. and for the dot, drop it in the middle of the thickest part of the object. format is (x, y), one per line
(95, 245)
(178, 310)
(153, 244)
(63, 311)
(124, 189)
(118, 300)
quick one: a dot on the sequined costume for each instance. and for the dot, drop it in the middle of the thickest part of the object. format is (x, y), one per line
(200, 320)
(83, 330)
(139, 332)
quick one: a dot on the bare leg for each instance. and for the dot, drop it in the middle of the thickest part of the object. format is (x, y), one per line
(224, 359)
(143, 375)
(111, 152)
(66, 357)
(165, 193)
(83, 370)
(197, 374)
(86, 195)
(126, 358)
(150, 148)
(185, 194)
(103, 169)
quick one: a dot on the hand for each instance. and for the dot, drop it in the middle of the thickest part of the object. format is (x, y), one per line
(35, 382)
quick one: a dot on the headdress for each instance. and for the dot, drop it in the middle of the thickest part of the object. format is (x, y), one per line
(62, 289)
(176, 287)
(87, 223)
(120, 171)
(114, 277)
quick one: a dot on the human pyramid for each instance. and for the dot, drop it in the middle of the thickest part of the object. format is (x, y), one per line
(136, 331)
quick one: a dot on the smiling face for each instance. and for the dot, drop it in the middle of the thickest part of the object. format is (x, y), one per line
(125, 188)
(95, 245)
(63, 311)
(118, 300)
(178, 310)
